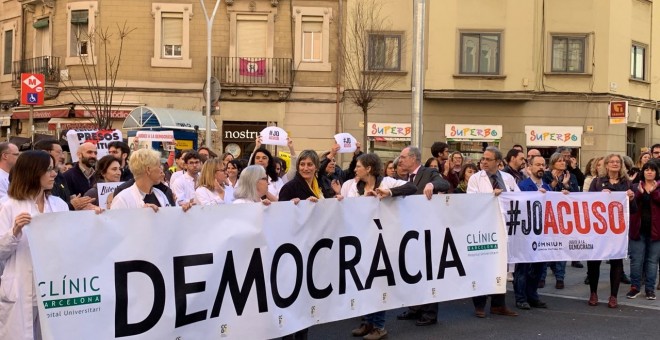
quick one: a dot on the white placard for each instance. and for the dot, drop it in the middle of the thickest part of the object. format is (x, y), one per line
(105, 189)
(273, 135)
(155, 136)
(556, 227)
(347, 143)
(99, 137)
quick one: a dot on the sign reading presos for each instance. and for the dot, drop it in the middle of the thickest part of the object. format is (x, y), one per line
(273, 135)
(347, 143)
(99, 137)
(473, 132)
(246, 271)
(393, 130)
(104, 190)
(553, 136)
(32, 88)
(556, 227)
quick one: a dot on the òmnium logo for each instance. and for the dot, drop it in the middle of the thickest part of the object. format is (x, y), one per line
(547, 245)
(70, 292)
(481, 243)
(579, 245)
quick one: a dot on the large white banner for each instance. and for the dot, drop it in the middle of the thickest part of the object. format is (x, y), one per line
(557, 227)
(248, 271)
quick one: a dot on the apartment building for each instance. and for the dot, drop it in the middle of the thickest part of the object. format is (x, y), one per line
(275, 61)
(537, 73)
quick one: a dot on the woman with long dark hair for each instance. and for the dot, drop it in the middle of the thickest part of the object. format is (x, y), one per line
(32, 179)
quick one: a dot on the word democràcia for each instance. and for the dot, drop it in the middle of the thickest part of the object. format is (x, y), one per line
(256, 275)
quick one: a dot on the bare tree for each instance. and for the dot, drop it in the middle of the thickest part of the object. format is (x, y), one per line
(100, 72)
(367, 56)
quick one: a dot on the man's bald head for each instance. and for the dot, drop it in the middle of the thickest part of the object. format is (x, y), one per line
(87, 154)
(533, 152)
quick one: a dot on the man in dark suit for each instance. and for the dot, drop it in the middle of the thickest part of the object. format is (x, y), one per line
(428, 182)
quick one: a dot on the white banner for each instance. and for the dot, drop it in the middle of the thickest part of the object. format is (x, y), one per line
(248, 271)
(104, 190)
(99, 137)
(557, 227)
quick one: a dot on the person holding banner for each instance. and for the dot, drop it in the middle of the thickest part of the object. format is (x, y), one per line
(615, 179)
(213, 188)
(644, 235)
(252, 186)
(491, 180)
(527, 275)
(562, 180)
(147, 173)
(33, 177)
(108, 170)
(305, 186)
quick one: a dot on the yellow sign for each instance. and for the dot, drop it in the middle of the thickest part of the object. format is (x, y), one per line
(184, 144)
(286, 157)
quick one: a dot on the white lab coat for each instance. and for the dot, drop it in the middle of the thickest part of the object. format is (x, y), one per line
(17, 290)
(131, 197)
(480, 182)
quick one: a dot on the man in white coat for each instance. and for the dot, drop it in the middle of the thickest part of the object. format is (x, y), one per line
(491, 180)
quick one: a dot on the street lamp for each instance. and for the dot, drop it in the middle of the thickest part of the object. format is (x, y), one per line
(207, 90)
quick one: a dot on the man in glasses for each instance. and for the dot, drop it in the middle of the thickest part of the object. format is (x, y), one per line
(184, 187)
(491, 180)
(8, 155)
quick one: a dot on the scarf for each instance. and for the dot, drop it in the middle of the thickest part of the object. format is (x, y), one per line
(315, 188)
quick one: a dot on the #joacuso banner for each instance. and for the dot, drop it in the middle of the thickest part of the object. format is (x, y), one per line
(251, 271)
(545, 227)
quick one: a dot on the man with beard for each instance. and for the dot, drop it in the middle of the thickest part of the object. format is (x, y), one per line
(81, 177)
(527, 275)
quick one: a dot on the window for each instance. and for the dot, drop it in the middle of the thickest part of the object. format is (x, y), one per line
(312, 42)
(312, 34)
(79, 33)
(172, 35)
(638, 62)
(384, 52)
(7, 51)
(568, 54)
(41, 37)
(480, 53)
(81, 18)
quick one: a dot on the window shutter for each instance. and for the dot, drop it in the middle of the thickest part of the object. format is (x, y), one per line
(251, 36)
(79, 17)
(172, 28)
(41, 23)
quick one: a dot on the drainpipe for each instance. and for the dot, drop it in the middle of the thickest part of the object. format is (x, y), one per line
(340, 58)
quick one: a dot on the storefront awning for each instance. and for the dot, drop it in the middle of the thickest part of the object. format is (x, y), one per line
(71, 123)
(145, 117)
(42, 112)
(115, 112)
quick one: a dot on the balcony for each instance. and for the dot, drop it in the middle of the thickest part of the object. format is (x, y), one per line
(47, 65)
(258, 73)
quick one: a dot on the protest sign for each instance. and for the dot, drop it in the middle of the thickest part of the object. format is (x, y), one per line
(273, 135)
(556, 227)
(253, 271)
(101, 138)
(347, 143)
(104, 190)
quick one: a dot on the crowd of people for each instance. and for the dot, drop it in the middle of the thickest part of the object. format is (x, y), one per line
(38, 181)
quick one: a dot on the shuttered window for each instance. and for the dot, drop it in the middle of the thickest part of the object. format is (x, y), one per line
(79, 33)
(312, 42)
(8, 51)
(251, 36)
(172, 39)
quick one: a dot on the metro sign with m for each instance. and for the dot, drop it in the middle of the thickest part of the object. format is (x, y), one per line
(32, 88)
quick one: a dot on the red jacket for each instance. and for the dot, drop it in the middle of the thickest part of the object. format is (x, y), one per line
(636, 216)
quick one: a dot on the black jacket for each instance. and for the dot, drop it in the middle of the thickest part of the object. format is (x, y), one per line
(76, 181)
(296, 188)
(61, 190)
(430, 175)
(407, 189)
(325, 179)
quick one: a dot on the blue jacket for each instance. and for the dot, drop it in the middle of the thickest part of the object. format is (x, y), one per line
(528, 185)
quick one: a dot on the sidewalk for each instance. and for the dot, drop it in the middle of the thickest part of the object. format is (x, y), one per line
(576, 289)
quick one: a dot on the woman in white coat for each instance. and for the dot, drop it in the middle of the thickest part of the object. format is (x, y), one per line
(33, 176)
(213, 188)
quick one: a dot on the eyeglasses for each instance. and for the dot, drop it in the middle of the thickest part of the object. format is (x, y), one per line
(484, 159)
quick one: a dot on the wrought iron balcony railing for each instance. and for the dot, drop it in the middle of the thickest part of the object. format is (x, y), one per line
(47, 65)
(241, 71)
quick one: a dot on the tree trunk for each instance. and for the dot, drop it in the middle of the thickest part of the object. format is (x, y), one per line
(365, 125)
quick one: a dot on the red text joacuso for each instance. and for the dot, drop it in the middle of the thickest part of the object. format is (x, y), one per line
(566, 218)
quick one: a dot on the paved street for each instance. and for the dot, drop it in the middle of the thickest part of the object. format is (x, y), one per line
(568, 316)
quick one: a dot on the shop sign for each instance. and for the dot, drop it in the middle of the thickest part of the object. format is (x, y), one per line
(553, 136)
(618, 112)
(473, 132)
(182, 144)
(389, 130)
(234, 131)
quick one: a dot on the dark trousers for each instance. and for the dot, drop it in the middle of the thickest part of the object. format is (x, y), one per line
(496, 300)
(429, 310)
(593, 273)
